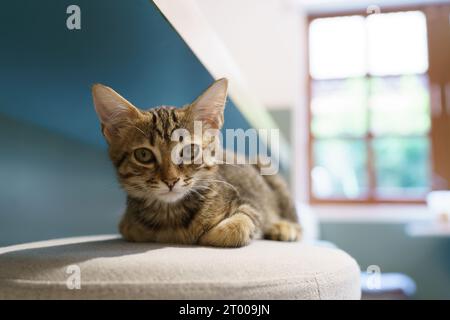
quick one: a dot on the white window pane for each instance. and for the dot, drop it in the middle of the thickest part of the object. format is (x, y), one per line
(339, 107)
(339, 169)
(400, 105)
(397, 43)
(337, 47)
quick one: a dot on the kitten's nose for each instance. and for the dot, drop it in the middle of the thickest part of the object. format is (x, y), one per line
(171, 182)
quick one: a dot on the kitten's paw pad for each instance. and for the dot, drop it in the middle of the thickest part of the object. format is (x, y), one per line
(284, 231)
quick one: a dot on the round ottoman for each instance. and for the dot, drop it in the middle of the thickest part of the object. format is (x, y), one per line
(106, 267)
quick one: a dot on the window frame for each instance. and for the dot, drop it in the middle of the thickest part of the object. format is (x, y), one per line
(370, 198)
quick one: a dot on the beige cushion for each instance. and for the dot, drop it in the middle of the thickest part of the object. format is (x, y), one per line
(114, 269)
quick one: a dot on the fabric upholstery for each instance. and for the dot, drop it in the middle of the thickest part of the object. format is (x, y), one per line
(114, 269)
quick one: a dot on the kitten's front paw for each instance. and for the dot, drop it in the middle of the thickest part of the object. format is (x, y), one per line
(132, 232)
(283, 231)
(236, 231)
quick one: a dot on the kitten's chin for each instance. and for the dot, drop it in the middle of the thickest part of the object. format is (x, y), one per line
(170, 197)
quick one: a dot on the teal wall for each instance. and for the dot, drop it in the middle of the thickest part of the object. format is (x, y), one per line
(426, 260)
(47, 70)
(283, 118)
(53, 186)
(55, 178)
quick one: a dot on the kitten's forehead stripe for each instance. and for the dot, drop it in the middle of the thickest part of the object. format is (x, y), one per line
(174, 116)
(164, 122)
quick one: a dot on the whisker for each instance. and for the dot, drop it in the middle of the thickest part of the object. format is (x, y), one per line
(140, 130)
(199, 194)
(239, 166)
(204, 187)
(220, 181)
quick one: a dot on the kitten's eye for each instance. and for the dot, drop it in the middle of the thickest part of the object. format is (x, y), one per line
(144, 155)
(190, 152)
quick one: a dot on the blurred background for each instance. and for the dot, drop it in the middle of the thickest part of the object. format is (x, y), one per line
(360, 91)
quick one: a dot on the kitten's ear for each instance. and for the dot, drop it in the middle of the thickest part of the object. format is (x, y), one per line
(209, 106)
(114, 111)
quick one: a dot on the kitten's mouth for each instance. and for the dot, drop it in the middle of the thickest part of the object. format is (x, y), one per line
(170, 195)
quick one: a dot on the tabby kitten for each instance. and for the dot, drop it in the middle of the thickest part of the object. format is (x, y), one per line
(209, 203)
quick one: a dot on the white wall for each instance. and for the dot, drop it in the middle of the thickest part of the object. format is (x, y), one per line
(264, 37)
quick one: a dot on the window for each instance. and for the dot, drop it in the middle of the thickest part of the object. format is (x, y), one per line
(371, 124)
